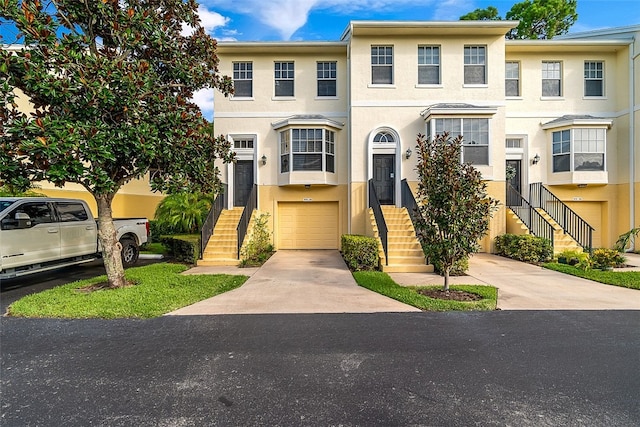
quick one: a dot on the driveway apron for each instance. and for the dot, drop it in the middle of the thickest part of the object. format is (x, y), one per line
(295, 281)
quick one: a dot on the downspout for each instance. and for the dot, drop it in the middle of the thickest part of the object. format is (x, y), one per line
(632, 160)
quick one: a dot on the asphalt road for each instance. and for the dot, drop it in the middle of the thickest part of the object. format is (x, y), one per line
(13, 289)
(518, 368)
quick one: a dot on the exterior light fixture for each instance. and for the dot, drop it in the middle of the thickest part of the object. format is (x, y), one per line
(264, 159)
(407, 153)
(307, 186)
(536, 159)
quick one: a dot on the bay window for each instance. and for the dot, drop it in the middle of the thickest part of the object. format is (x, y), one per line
(307, 149)
(579, 149)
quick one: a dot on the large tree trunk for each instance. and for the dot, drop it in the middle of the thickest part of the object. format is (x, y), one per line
(446, 278)
(111, 248)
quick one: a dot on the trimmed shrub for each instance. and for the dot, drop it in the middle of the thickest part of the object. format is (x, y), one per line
(605, 259)
(524, 247)
(184, 248)
(360, 252)
(459, 267)
(577, 259)
(157, 231)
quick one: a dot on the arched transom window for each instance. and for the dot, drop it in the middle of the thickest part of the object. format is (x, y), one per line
(384, 138)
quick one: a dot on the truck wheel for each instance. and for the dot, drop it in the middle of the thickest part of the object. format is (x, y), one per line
(130, 252)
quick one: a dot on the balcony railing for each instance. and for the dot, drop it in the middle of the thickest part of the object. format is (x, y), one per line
(383, 231)
(243, 224)
(212, 218)
(530, 217)
(571, 222)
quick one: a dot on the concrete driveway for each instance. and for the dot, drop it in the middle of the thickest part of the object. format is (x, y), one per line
(523, 286)
(294, 282)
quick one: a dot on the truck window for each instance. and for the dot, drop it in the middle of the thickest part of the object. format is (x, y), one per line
(71, 212)
(39, 212)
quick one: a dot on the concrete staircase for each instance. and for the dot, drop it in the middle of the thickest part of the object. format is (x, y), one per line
(404, 250)
(222, 248)
(561, 240)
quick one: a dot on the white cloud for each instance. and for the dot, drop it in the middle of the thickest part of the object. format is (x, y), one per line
(208, 19)
(204, 99)
(287, 16)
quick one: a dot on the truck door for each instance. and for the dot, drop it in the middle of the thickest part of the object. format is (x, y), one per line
(32, 241)
(78, 230)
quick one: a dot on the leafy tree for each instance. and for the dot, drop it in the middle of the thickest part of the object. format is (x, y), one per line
(488, 14)
(542, 19)
(111, 83)
(539, 19)
(453, 202)
(183, 212)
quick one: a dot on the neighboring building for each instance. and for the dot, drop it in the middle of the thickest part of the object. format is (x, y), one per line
(319, 127)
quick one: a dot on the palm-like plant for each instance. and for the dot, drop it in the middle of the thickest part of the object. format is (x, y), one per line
(183, 212)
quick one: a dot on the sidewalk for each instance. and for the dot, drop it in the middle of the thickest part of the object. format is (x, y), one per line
(523, 286)
(294, 282)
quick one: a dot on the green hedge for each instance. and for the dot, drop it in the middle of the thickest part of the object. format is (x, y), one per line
(183, 247)
(524, 247)
(360, 252)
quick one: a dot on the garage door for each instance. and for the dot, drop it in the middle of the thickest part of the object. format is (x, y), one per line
(312, 225)
(592, 213)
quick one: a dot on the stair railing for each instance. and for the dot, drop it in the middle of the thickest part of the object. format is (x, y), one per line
(243, 224)
(219, 204)
(409, 202)
(571, 222)
(530, 217)
(383, 231)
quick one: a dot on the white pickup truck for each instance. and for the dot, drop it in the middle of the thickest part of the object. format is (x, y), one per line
(41, 233)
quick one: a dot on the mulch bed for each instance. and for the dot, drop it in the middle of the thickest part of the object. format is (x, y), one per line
(449, 295)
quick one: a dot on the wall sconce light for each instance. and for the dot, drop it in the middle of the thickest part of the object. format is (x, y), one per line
(264, 159)
(307, 186)
(536, 159)
(407, 153)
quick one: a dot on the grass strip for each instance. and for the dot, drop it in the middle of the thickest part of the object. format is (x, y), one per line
(625, 279)
(383, 284)
(160, 289)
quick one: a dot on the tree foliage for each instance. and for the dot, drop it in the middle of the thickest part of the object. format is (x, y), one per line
(110, 82)
(184, 212)
(489, 14)
(539, 19)
(453, 202)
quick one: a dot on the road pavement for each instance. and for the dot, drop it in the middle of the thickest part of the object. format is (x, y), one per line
(524, 368)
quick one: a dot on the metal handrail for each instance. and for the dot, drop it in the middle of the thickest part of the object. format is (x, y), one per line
(243, 224)
(383, 231)
(571, 222)
(409, 202)
(212, 218)
(530, 217)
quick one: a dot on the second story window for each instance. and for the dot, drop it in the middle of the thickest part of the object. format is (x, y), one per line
(381, 65)
(284, 78)
(594, 78)
(326, 73)
(243, 79)
(551, 78)
(429, 65)
(475, 136)
(512, 79)
(475, 65)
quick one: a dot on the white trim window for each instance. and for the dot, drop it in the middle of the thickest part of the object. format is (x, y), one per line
(327, 76)
(284, 73)
(381, 65)
(513, 143)
(512, 78)
(429, 65)
(594, 78)
(475, 65)
(475, 136)
(243, 79)
(579, 149)
(551, 78)
(307, 149)
(243, 143)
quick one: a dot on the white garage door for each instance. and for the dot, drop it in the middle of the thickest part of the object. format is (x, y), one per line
(312, 225)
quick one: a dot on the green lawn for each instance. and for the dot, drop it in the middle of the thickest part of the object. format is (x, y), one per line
(625, 279)
(383, 284)
(160, 289)
(153, 248)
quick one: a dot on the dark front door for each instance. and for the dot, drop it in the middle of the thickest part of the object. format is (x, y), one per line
(384, 177)
(514, 167)
(243, 182)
